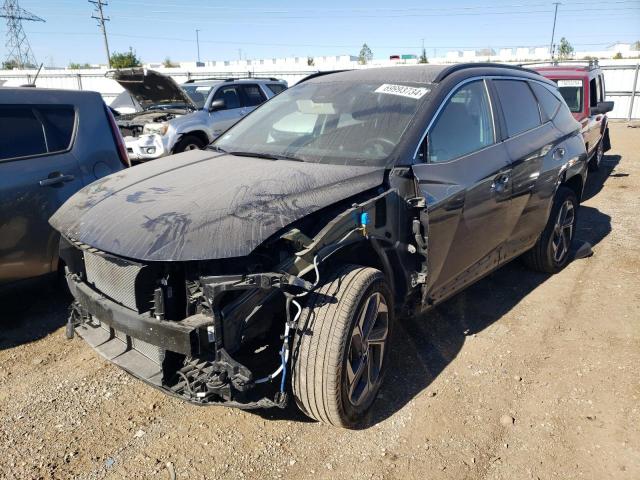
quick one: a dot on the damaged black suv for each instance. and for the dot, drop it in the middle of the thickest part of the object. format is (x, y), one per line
(274, 263)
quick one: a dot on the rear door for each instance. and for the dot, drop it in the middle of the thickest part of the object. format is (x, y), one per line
(531, 142)
(38, 173)
(221, 120)
(466, 180)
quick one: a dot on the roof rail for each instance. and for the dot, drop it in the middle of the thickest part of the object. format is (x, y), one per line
(321, 74)
(591, 63)
(461, 66)
(232, 79)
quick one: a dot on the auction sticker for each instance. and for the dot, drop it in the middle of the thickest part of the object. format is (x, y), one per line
(569, 83)
(402, 90)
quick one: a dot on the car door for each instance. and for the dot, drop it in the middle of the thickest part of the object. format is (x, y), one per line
(531, 141)
(592, 135)
(38, 173)
(221, 120)
(466, 182)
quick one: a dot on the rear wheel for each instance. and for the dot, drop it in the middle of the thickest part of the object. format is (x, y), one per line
(550, 254)
(188, 142)
(340, 349)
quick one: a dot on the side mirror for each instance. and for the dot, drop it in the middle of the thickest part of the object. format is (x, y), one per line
(605, 107)
(217, 105)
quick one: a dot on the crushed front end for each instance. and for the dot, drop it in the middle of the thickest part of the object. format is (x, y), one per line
(177, 329)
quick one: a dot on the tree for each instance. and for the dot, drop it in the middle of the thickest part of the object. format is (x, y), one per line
(365, 55)
(11, 64)
(423, 57)
(78, 66)
(617, 56)
(169, 64)
(565, 50)
(636, 45)
(310, 61)
(125, 60)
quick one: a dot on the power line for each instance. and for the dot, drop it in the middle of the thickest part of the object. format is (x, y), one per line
(18, 48)
(101, 19)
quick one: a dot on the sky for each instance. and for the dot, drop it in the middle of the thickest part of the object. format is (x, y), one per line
(268, 29)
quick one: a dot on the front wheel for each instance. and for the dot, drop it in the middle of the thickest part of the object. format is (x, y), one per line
(550, 254)
(340, 349)
(188, 142)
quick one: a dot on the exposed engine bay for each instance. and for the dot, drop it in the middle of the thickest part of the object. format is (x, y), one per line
(132, 124)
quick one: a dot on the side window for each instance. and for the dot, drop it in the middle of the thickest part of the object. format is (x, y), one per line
(276, 88)
(519, 106)
(229, 95)
(593, 93)
(58, 125)
(465, 125)
(22, 133)
(252, 95)
(549, 103)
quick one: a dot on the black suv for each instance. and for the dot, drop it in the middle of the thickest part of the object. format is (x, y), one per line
(276, 262)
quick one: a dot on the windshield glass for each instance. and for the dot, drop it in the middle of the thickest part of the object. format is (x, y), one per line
(571, 91)
(197, 93)
(334, 122)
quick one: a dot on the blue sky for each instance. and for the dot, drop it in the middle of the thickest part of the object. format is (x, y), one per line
(262, 29)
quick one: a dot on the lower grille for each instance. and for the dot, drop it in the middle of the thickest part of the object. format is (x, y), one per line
(116, 278)
(152, 352)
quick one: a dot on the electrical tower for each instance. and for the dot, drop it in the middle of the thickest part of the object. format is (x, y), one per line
(18, 48)
(99, 16)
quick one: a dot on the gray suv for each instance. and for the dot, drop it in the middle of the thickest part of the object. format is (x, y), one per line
(53, 143)
(175, 118)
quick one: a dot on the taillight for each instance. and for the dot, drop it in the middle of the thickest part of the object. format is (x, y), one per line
(117, 137)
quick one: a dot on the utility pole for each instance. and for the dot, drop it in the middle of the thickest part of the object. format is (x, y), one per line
(198, 43)
(553, 31)
(99, 16)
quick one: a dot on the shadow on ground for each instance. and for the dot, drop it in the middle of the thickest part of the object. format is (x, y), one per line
(32, 313)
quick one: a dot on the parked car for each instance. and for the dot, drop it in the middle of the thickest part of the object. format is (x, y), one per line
(174, 118)
(583, 88)
(53, 143)
(276, 261)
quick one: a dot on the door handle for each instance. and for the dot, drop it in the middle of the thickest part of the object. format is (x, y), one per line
(500, 182)
(558, 153)
(56, 178)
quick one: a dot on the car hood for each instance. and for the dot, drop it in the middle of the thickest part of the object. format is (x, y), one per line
(149, 87)
(201, 205)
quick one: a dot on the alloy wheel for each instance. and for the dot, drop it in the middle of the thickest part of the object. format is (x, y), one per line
(367, 349)
(563, 232)
(191, 146)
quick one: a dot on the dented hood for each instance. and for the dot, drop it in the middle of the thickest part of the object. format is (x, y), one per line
(202, 205)
(150, 88)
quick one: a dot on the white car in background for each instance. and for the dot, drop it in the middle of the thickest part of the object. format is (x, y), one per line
(173, 118)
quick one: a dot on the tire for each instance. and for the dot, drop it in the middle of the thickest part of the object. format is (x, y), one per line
(328, 345)
(596, 160)
(544, 256)
(188, 142)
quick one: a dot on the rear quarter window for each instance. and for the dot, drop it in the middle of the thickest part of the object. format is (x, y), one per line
(29, 130)
(519, 106)
(549, 103)
(276, 88)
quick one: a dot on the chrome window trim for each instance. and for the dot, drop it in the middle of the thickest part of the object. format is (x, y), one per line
(455, 89)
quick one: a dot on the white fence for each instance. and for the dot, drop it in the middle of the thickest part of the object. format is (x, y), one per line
(622, 83)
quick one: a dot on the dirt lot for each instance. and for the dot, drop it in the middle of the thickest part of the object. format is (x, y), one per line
(559, 355)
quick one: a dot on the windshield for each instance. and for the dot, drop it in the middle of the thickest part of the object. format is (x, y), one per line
(197, 93)
(338, 122)
(571, 91)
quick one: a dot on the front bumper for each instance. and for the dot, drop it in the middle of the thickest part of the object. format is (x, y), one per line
(147, 147)
(176, 357)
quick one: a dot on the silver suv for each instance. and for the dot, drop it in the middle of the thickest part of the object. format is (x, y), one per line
(173, 118)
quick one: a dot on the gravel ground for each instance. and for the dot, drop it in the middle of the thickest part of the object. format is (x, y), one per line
(521, 376)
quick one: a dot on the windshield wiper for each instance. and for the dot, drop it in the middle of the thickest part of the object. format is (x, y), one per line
(216, 148)
(268, 156)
